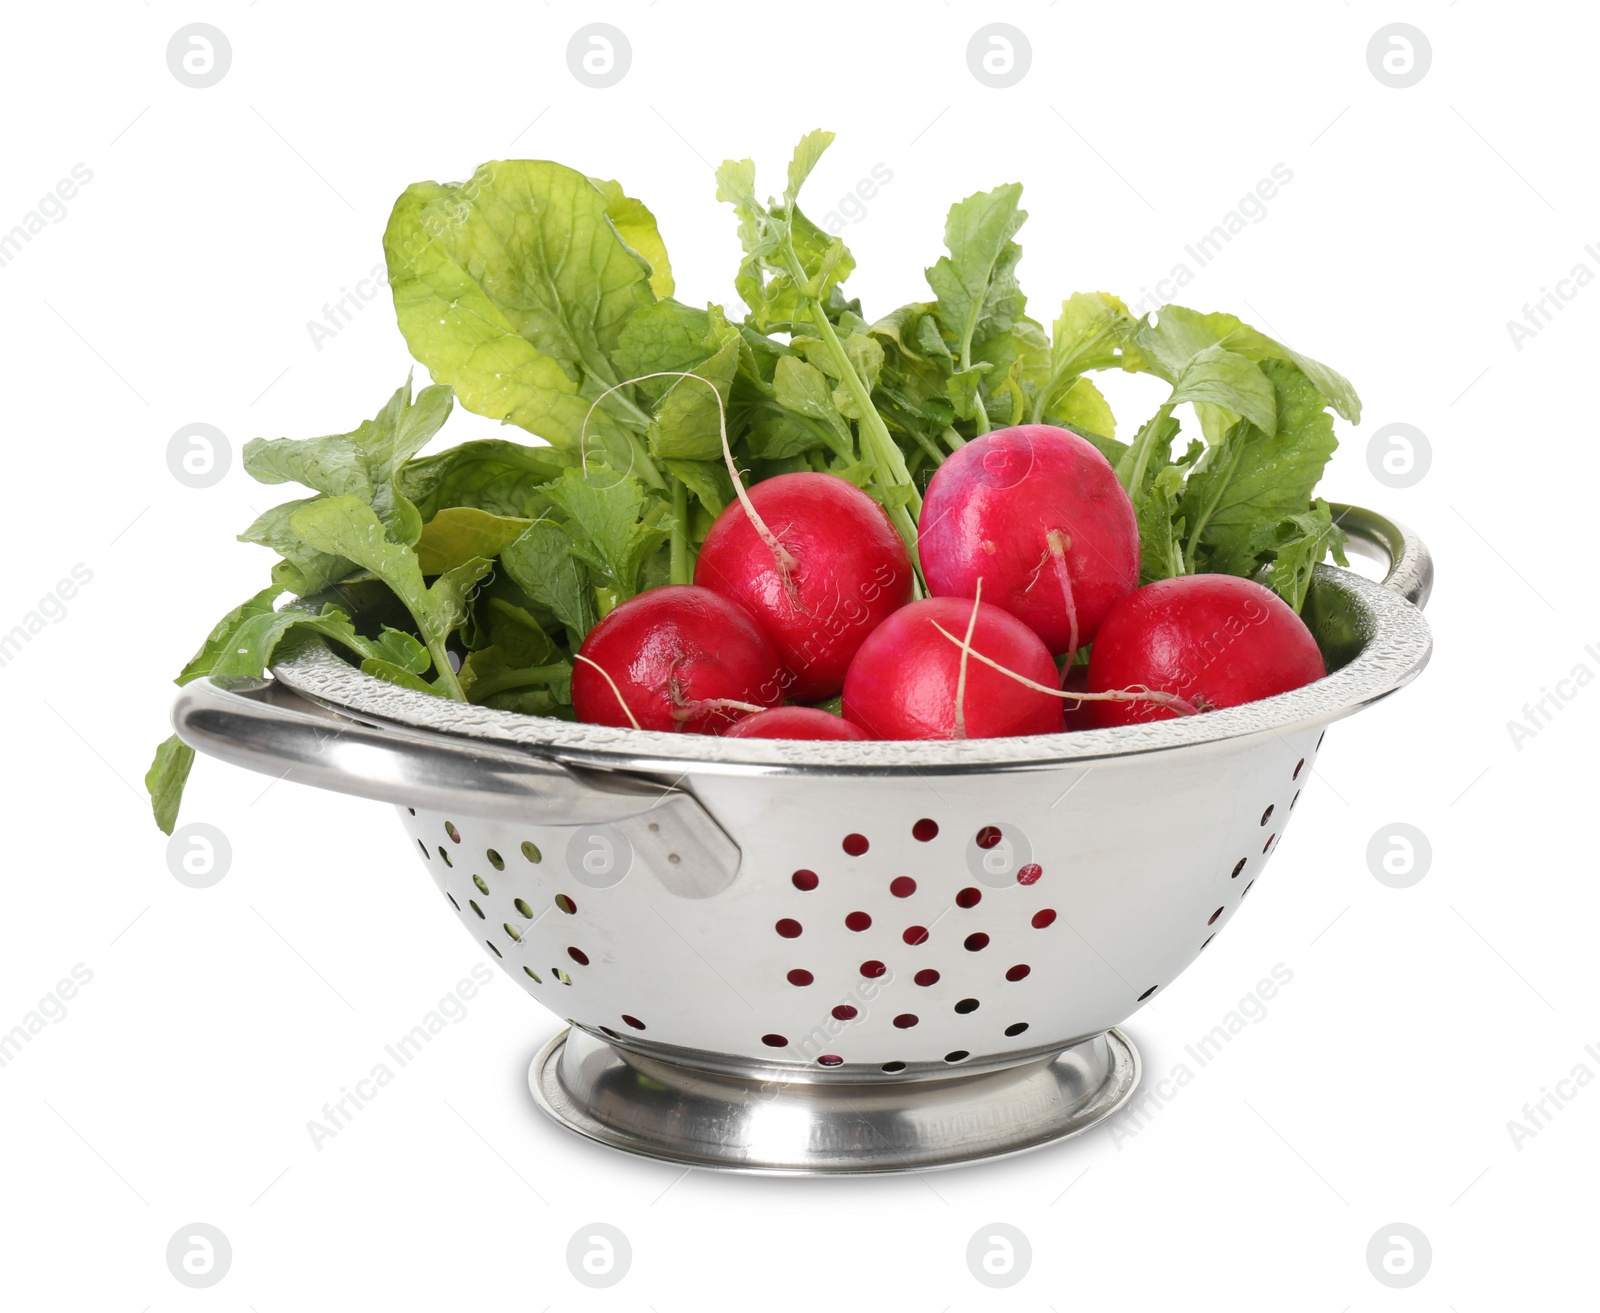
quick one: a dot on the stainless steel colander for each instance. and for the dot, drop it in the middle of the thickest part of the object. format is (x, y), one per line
(834, 957)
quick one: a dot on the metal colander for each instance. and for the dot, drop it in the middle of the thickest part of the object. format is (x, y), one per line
(834, 957)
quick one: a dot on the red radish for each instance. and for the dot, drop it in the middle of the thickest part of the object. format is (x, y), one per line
(913, 680)
(826, 573)
(1213, 639)
(1036, 513)
(796, 723)
(675, 658)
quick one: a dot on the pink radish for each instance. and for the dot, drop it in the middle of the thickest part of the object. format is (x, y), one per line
(796, 723)
(825, 573)
(1038, 514)
(1213, 639)
(916, 676)
(675, 658)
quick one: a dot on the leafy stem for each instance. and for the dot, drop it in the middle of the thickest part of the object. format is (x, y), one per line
(441, 663)
(880, 449)
(682, 562)
(1210, 506)
(1134, 462)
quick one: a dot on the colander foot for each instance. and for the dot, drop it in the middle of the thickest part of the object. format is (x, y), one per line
(761, 1122)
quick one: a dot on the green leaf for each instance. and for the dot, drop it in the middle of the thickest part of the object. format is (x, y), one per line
(313, 570)
(976, 284)
(536, 238)
(707, 480)
(541, 563)
(1296, 545)
(1182, 349)
(1081, 406)
(637, 228)
(776, 434)
(1019, 367)
(457, 534)
(914, 331)
(221, 636)
(363, 463)
(540, 700)
(493, 475)
(242, 643)
(865, 354)
(803, 388)
(615, 525)
(688, 423)
(766, 282)
(1156, 435)
(453, 326)
(1255, 477)
(251, 646)
(401, 649)
(1161, 527)
(165, 779)
(518, 634)
(347, 526)
(661, 337)
(806, 154)
(495, 671)
(1093, 331)
(391, 673)
(1231, 332)
(451, 591)
(912, 391)
(1223, 378)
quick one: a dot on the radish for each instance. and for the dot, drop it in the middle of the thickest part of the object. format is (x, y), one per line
(675, 658)
(1215, 640)
(817, 563)
(1038, 514)
(796, 723)
(915, 677)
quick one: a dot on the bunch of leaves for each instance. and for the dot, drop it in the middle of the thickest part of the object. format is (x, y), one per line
(544, 299)
(485, 550)
(1238, 497)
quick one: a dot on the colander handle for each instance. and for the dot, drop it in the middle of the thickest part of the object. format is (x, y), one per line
(1410, 564)
(264, 726)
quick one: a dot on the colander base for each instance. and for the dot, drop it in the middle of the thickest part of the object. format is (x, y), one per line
(696, 1118)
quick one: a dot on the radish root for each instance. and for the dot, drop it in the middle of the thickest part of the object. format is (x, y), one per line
(780, 554)
(1138, 693)
(689, 710)
(1058, 542)
(604, 674)
(966, 651)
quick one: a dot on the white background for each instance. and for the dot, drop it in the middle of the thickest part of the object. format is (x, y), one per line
(177, 289)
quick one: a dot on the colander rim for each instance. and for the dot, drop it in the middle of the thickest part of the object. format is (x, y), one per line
(1396, 644)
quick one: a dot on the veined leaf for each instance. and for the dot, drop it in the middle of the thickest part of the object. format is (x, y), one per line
(454, 327)
(637, 227)
(1296, 545)
(976, 283)
(362, 463)
(687, 424)
(536, 239)
(1257, 477)
(541, 563)
(458, 533)
(391, 673)
(490, 474)
(164, 781)
(616, 522)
